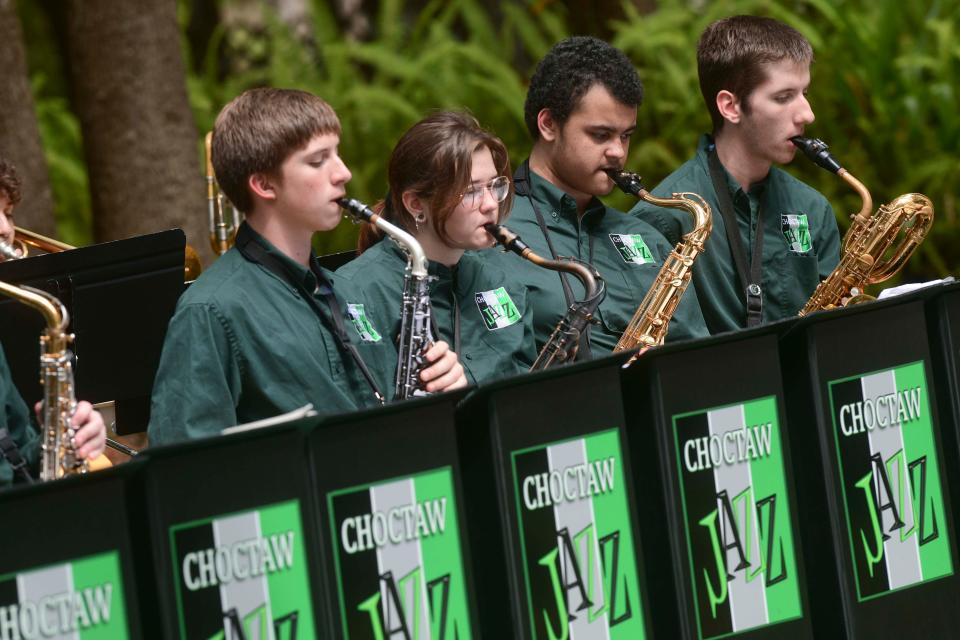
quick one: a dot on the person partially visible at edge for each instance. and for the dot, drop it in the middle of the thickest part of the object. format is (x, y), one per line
(266, 330)
(10, 194)
(448, 178)
(754, 75)
(581, 110)
(17, 432)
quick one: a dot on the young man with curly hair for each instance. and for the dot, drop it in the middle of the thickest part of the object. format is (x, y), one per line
(581, 110)
(774, 238)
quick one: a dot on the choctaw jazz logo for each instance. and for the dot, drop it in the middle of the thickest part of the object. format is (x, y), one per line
(577, 541)
(891, 479)
(737, 517)
(398, 559)
(243, 575)
(78, 599)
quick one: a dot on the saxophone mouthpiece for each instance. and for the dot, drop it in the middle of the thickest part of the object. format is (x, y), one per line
(629, 183)
(818, 151)
(508, 239)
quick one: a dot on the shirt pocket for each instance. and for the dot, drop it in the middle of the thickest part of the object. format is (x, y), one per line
(625, 292)
(799, 277)
(508, 348)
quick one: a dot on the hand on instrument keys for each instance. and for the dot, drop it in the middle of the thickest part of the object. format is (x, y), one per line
(445, 372)
(90, 434)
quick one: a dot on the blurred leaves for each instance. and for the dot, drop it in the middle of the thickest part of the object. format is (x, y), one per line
(884, 89)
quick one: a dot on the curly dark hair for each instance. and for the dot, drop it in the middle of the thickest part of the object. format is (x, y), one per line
(568, 71)
(10, 183)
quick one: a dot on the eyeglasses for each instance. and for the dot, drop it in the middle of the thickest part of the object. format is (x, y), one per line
(499, 189)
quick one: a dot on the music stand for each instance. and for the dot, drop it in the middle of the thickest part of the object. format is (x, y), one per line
(120, 296)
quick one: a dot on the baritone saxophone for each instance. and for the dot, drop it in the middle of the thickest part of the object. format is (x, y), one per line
(648, 327)
(869, 238)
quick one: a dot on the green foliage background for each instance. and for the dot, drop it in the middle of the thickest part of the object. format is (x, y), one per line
(884, 89)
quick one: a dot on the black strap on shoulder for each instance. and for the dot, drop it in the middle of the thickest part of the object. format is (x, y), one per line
(751, 279)
(10, 451)
(521, 186)
(254, 252)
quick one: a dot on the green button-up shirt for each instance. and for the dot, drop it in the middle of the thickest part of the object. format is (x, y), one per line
(626, 251)
(496, 326)
(801, 243)
(15, 418)
(244, 345)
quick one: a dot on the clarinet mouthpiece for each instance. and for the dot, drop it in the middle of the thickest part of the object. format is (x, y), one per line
(629, 183)
(818, 151)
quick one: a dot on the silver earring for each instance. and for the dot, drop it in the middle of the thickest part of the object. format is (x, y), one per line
(418, 219)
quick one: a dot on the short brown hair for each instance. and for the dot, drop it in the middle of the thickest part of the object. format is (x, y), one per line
(434, 158)
(258, 130)
(10, 183)
(732, 53)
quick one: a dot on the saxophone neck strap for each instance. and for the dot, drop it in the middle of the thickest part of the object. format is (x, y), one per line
(523, 187)
(10, 452)
(255, 252)
(751, 277)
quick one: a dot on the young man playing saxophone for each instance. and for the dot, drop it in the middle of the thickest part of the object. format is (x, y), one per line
(264, 330)
(581, 110)
(754, 73)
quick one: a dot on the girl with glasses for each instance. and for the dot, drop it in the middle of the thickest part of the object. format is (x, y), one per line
(447, 179)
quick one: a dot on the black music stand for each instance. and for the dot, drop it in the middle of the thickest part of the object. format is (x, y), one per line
(552, 508)
(862, 403)
(716, 481)
(120, 296)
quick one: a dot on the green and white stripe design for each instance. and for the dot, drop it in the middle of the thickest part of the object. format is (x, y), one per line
(577, 542)
(739, 529)
(78, 600)
(796, 230)
(497, 308)
(632, 248)
(361, 323)
(243, 575)
(398, 559)
(890, 473)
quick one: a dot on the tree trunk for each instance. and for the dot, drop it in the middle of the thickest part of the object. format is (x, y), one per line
(19, 133)
(140, 140)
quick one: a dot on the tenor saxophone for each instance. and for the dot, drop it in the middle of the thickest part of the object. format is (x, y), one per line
(869, 238)
(649, 325)
(58, 457)
(563, 343)
(416, 326)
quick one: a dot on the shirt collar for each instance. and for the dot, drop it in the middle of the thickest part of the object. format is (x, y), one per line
(440, 271)
(295, 272)
(561, 202)
(705, 146)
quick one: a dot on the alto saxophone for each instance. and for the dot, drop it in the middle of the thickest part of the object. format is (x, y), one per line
(58, 457)
(869, 237)
(416, 327)
(563, 343)
(648, 327)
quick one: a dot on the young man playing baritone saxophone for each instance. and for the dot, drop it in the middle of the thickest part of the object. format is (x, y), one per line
(581, 110)
(266, 330)
(754, 73)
